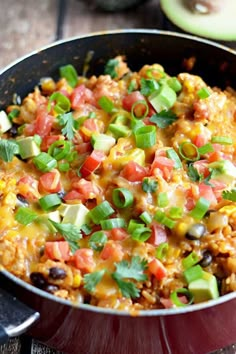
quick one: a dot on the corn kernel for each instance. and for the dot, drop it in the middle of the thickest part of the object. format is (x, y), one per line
(228, 209)
(2, 185)
(76, 280)
(10, 199)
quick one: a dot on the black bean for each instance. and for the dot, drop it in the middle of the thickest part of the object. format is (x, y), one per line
(195, 231)
(50, 288)
(38, 280)
(14, 130)
(61, 194)
(206, 259)
(21, 201)
(57, 273)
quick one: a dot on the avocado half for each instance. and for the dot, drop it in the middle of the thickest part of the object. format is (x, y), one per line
(218, 25)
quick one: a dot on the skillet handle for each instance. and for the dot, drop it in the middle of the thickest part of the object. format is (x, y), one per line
(15, 317)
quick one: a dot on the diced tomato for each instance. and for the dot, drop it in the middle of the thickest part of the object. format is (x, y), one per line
(133, 172)
(43, 122)
(80, 95)
(157, 269)
(218, 188)
(202, 167)
(90, 126)
(112, 251)
(57, 250)
(200, 140)
(74, 195)
(118, 234)
(84, 260)
(48, 140)
(164, 164)
(50, 182)
(28, 187)
(82, 148)
(131, 98)
(158, 234)
(168, 304)
(215, 156)
(86, 188)
(206, 192)
(92, 162)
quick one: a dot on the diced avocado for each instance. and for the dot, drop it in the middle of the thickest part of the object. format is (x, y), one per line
(224, 171)
(54, 216)
(136, 155)
(63, 209)
(5, 123)
(205, 288)
(163, 99)
(218, 25)
(76, 214)
(102, 142)
(119, 130)
(193, 273)
(28, 147)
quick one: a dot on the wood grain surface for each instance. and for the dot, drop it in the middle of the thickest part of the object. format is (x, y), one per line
(27, 25)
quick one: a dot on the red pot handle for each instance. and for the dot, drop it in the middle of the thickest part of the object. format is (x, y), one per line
(15, 317)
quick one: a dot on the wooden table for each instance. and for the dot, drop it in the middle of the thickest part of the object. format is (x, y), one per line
(26, 25)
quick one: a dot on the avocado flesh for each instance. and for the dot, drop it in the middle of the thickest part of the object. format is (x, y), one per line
(204, 289)
(28, 147)
(219, 25)
(5, 123)
(76, 214)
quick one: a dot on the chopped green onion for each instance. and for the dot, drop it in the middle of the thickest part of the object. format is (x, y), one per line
(50, 201)
(161, 217)
(188, 151)
(149, 185)
(62, 103)
(110, 224)
(37, 139)
(145, 137)
(134, 224)
(106, 104)
(63, 166)
(205, 149)
(223, 140)
(135, 124)
(98, 240)
(203, 93)
(100, 212)
(13, 114)
(161, 251)
(122, 197)
(44, 162)
(92, 115)
(174, 83)
(86, 229)
(190, 260)
(59, 149)
(70, 74)
(200, 208)
(162, 200)
(174, 296)
(175, 212)
(146, 217)
(141, 234)
(25, 216)
(171, 154)
(141, 107)
(193, 273)
(163, 99)
(229, 195)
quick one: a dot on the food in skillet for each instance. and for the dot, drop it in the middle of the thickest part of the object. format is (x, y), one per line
(119, 190)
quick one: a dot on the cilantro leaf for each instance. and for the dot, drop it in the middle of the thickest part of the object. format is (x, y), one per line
(69, 125)
(164, 118)
(193, 173)
(149, 185)
(110, 68)
(127, 288)
(8, 149)
(92, 279)
(134, 269)
(70, 232)
(132, 86)
(229, 195)
(148, 86)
